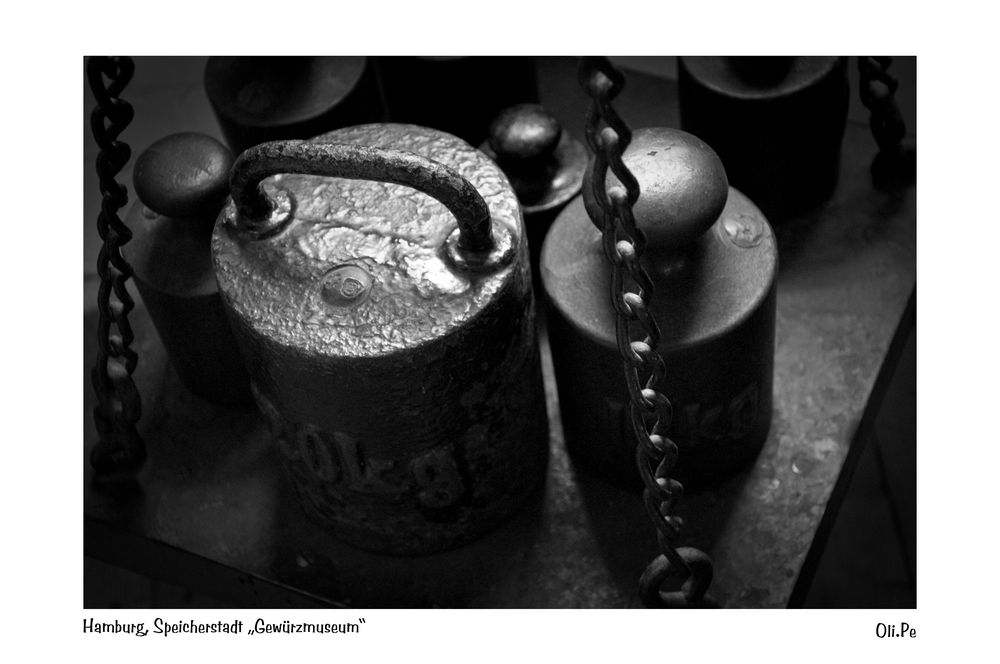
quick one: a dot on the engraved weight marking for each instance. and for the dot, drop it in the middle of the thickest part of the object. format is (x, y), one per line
(336, 459)
(743, 411)
(433, 475)
(733, 419)
(276, 423)
(316, 454)
(362, 474)
(704, 424)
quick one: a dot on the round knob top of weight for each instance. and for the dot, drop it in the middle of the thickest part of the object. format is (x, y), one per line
(184, 175)
(525, 132)
(544, 164)
(682, 184)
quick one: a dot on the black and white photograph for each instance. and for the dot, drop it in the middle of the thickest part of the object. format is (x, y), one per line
(515, 331)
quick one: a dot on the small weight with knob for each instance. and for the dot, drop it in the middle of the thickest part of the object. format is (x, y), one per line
(712, 258)
(545, 166)
(182, 181)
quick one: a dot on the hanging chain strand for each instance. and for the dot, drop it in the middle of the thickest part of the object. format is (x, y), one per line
(895, 166)
(120, 448)
(638, 337)
(877, 91)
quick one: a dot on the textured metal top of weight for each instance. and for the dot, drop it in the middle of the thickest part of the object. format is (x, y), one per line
(711, 253)
(360, 268)
(759, 76)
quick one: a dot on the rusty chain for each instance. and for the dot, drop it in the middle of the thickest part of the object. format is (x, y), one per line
(119, 447)
(638, 336)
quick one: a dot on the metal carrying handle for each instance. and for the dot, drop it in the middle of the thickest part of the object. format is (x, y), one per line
(257, 212)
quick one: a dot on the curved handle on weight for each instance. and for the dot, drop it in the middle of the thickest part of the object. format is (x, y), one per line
(255, 208)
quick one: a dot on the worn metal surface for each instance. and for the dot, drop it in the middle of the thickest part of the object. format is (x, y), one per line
(403, 390)
(212, 502)
(182, 183)
(712, 259)
(776, 122)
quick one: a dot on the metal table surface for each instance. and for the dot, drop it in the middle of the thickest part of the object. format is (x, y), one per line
(211, 508)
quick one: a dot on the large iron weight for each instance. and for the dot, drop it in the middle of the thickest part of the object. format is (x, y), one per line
(393, 353)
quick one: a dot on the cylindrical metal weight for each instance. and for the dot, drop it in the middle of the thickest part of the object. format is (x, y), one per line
(545, 166)
(377, 280)
(459, 95)
(181, 182)
(712, 258)
(258, 99)
(776, 122)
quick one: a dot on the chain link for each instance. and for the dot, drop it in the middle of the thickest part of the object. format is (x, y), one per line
(120, 447)
(638, 336)
(877, 91)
